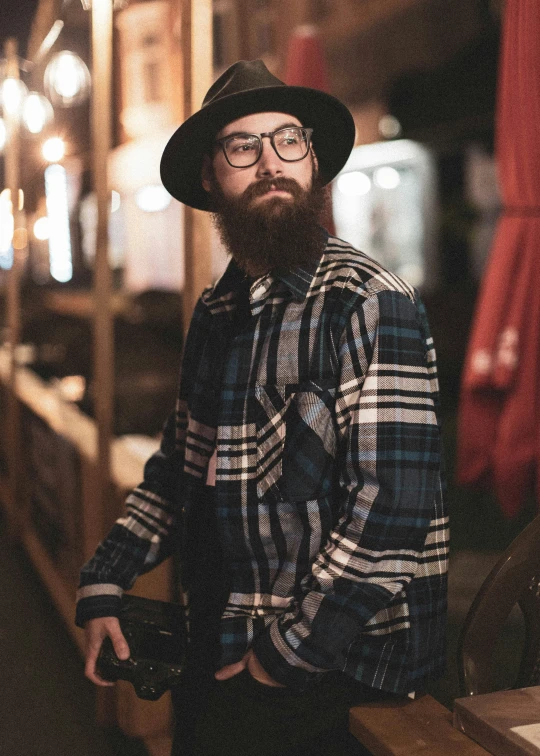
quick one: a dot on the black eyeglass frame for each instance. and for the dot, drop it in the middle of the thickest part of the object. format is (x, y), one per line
(271, 135)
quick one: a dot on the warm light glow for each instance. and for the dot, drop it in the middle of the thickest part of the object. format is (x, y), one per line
(2, 134)
(20, 238)
(115, 201)
(67, 79)
(386, 177)
(6, 230)
(117, 4)
(72, 387)
(53, 149)
(152, 198)
(389, 127)
(58, 213)
(21, 200)
(6, 221)
(37, 112)
(12, 95)
(355, 183)
(41, 228)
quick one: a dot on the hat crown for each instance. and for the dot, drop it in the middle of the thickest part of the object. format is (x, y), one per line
(242, 76)
(245, 88)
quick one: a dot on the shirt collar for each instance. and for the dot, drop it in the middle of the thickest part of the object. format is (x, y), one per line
(226, 285)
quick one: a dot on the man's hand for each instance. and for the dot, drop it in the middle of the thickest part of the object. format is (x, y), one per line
(255, 669)
(96, 630)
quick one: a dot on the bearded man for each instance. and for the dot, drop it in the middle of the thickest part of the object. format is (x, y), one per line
(302, 466)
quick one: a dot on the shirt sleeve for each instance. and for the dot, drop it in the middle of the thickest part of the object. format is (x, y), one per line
(389, 479)
(143, 537)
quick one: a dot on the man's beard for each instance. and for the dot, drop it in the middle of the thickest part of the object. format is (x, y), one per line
(275, 234)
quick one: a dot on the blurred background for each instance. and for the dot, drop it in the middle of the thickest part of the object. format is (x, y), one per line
(99, 270)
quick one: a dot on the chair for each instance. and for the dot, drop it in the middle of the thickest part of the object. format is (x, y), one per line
(515, 579)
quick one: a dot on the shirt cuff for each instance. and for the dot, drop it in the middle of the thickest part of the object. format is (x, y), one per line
(97, 601)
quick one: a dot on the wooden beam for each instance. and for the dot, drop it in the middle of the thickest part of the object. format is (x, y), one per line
(48, 11)
(13, 298)
(197, 62)
(102, 35)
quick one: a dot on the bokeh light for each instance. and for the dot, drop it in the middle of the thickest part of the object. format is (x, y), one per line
(67, 79)
(355, 183)
(54, 149)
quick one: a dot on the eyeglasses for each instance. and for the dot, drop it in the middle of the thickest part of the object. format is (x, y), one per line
(243, 150)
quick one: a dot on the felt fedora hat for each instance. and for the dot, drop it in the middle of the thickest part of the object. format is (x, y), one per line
(244, 88)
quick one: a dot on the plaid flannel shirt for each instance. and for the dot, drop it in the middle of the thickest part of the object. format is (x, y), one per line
(323, 411)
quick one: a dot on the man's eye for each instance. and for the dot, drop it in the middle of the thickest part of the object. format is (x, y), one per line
(289, 139)
(242, 147)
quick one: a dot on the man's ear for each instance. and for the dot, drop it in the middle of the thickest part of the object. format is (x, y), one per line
(207, 173)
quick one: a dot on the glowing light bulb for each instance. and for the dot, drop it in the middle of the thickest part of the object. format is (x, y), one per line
(12, 95)
(53, 149)
(6, 222)
(61, 265)
(355, 183)
(37, 112)
(67, 79)
(152, 198)
(386, 177)
(389, 127)
(41, 228)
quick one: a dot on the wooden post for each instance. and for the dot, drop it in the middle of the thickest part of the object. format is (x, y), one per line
(197, 62)
(12, 169)
(102, 34)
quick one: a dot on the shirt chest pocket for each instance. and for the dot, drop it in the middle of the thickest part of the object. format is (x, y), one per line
(296, 441)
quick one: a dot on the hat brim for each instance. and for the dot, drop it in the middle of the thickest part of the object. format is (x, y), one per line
(332, 124)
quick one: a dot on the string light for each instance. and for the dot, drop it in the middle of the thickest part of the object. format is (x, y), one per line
(67, 79)
(37, 112)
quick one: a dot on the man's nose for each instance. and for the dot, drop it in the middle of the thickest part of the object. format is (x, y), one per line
(269, 163)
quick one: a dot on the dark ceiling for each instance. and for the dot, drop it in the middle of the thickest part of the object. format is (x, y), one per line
(15, 20)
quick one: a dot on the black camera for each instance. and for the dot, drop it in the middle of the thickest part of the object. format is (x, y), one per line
(156, 632)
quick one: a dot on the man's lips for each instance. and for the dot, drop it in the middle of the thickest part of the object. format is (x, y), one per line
(273, 192)
(266, 189)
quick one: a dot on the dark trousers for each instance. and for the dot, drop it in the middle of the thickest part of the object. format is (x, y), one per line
(242, 717)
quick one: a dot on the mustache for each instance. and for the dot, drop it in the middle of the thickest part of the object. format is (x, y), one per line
(262, 186)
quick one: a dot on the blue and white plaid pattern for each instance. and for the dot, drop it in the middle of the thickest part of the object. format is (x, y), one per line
(323, 409)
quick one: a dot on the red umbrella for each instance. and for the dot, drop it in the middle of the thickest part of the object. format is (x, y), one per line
(306, 67)
(499, 437)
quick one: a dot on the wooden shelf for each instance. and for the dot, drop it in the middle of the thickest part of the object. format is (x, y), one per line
(81, 303)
